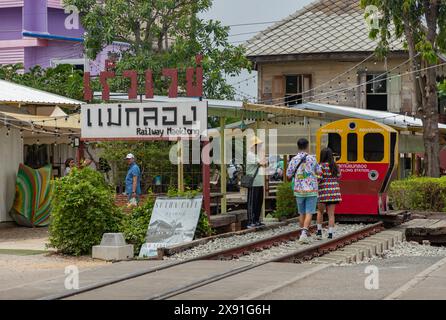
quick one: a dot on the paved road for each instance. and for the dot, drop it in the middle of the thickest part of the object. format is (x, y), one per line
(347, 282)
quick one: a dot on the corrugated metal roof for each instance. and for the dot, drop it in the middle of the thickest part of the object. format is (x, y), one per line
(15, 93)
(391, 119)
(324, 26)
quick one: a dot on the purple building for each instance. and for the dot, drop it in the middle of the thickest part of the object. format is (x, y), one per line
(33, 32)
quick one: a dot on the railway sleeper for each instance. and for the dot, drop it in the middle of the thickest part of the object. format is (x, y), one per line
(366, 249)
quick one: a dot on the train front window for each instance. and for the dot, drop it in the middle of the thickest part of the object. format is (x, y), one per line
(373, 147)
(332, 140)
(352, 147)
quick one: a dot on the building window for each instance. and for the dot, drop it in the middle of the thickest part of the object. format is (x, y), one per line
(293, 90)
(78, 64)
(377, 91)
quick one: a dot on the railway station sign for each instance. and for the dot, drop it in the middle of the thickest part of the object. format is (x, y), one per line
(173, 221)
(144, 121)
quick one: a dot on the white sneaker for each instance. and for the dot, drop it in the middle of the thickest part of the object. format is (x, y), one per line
(303, 239)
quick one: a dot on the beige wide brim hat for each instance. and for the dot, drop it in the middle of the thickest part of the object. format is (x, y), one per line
(254, 141)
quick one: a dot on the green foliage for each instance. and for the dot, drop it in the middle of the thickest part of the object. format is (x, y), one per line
(421, 26)
(148, 25)
(410, 15)
(62, 80)
(285, 202)
(420, 193)
(83, 210)
(134, 226)
(145, 153)
(442, 89)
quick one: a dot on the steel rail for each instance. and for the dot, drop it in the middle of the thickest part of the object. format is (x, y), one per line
(305, 253)
(155, 269)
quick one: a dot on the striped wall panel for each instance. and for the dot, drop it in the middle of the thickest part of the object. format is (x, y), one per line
(19, 3)
(11, 3)
(12, 56)
(54, 4)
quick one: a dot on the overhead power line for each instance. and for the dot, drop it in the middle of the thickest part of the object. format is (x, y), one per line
(252, 23)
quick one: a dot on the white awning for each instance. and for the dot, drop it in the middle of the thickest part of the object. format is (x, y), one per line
(18, 94)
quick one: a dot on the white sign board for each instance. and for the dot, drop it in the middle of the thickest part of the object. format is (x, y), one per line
(173, 221)
(144, 121)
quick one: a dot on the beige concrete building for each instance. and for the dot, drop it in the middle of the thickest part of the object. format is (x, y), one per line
(323, 54)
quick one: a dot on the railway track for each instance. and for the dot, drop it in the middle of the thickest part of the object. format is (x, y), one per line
(300, 254)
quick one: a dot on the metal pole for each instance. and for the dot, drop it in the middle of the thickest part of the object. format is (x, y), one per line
(180, 166)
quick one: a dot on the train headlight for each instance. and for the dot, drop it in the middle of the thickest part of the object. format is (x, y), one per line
(373, 175)
(352, 125)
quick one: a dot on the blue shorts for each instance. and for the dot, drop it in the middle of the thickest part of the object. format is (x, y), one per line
(306, 205)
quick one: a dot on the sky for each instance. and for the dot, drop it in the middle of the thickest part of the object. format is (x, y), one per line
(235, 12)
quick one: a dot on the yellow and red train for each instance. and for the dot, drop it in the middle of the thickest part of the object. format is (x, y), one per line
(367, 154)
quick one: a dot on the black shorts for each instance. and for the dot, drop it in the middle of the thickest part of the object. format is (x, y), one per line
(329, 202)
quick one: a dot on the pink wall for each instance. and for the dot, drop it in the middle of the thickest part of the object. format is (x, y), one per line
(10, 23)
(42, 56)
(56, 24)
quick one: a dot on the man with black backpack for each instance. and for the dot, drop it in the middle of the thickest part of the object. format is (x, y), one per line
(304, 170)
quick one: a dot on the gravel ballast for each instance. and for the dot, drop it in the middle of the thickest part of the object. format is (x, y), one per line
(237, 240)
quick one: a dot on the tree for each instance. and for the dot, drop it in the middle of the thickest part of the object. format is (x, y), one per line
(163, 33)
(62, 80)
(422, 25)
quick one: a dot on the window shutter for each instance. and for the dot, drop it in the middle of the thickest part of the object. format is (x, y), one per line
(307, 92)
(394, 94)
(362, 91)
(278, 90)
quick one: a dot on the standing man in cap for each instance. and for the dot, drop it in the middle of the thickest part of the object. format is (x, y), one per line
(133, 179)
(255, 163)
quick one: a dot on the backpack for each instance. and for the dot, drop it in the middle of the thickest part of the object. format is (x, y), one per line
(304, 158)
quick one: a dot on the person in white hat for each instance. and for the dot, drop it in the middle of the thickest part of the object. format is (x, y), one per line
(255, 163)
(133, 179)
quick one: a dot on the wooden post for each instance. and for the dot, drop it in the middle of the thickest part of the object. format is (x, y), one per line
(413, 163)
(223, 179)
(285, 165)
(398, 167)
(206, 174)
(264, 176)
(80, 152)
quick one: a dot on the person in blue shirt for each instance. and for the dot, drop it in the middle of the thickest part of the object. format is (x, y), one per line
(133, 178)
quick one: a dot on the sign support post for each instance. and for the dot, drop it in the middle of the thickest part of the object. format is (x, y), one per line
(180, 150)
